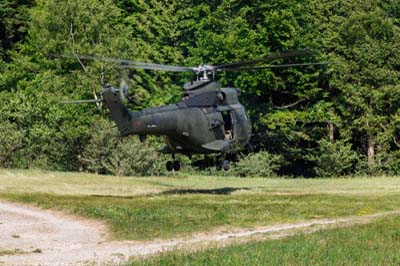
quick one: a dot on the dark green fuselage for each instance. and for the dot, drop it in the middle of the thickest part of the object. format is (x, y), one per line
(208, 119)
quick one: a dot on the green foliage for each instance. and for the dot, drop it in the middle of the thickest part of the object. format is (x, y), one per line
(391, 163)
(107, 153)
(366, 77)
(260, 164)
(387, 163)
(10, 143)
(358, 93)
(100, 146)
(130, 157)
(334, 159)
(14, 17)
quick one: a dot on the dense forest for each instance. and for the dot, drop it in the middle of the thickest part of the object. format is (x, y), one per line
(339, 119)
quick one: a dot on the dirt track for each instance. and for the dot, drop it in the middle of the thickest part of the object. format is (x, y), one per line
(40, 237)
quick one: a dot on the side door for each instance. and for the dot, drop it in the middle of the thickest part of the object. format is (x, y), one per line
(215, 122)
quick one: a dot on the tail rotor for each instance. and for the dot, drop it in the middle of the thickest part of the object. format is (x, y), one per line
(99, 102)
(123, 93)
(123, 89)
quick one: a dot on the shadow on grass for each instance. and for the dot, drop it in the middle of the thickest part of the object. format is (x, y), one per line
(215, 191)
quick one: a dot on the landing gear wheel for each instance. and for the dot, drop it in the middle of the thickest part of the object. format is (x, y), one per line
(177, 165)
(169, 165)
(225, 165)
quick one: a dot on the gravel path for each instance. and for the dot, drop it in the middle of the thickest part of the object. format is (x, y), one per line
(41, 237)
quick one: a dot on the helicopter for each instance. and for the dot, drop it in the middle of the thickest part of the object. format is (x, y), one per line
(209, 119)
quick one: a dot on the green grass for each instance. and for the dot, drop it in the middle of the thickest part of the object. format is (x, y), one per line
(66, 183)
(149, 208)
(377, 243)
(166, 216)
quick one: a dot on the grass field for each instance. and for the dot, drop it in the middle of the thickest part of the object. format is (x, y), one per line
(377, 243)
(152, 208)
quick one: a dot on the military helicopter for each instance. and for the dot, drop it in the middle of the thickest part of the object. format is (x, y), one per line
(209, 119)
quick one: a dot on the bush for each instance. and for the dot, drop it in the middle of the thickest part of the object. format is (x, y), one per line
(386, 163)
(261, 164)
(130, 157)
(334, 159)
(107, 153)
(10, 142)
(101, 144)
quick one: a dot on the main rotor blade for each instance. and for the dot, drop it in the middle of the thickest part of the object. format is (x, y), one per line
(126, 63)
(276, 66)
(159, 67)
(83, 101)
(285, 54)
(235, 66)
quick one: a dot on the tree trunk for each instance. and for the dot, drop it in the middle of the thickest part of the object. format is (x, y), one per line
(331, 132)
(371, 152)
(81, 165)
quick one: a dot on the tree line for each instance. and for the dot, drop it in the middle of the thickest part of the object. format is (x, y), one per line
(339, 119)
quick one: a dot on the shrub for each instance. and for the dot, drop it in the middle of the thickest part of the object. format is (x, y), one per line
(386, 163)
(101, 144)
(130, 157)
(334, 159)
(10, 142)
(261, 164)
(107, 153)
